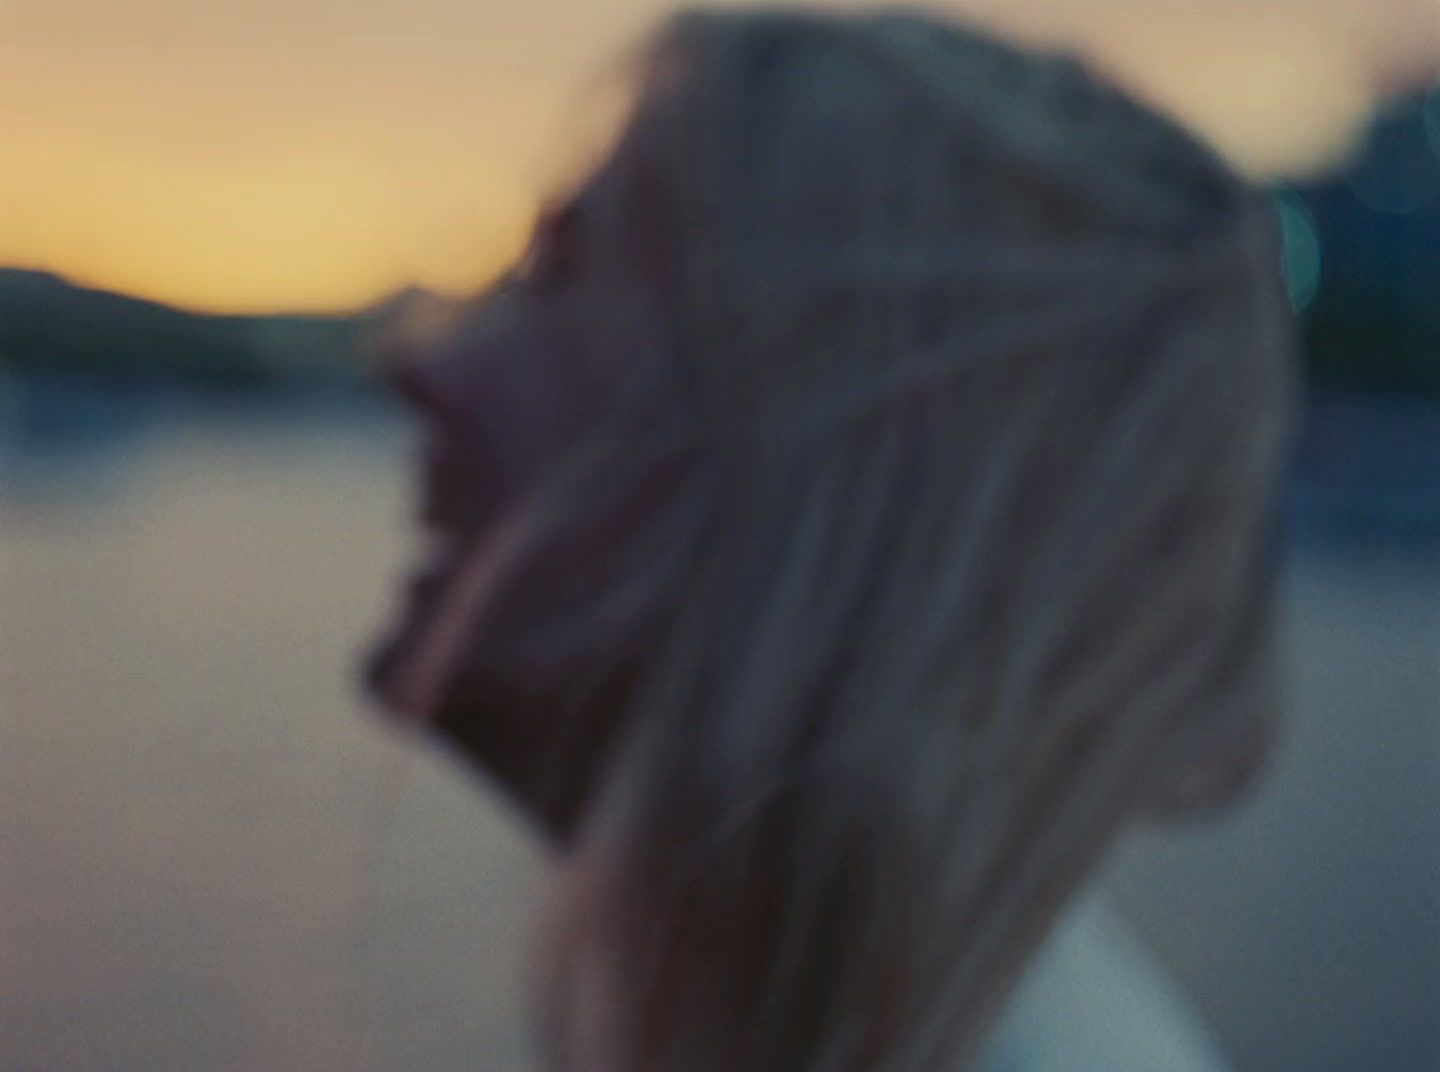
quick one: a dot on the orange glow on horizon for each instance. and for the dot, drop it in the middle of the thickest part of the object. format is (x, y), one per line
(302, 231)
(292, 157)
(308, 156)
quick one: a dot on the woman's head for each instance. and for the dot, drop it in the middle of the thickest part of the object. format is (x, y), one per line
(547, 369)
(914, 535)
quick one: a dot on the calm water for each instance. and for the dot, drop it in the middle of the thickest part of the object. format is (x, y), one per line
(213, 856)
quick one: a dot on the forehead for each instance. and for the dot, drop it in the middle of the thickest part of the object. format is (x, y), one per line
(629, 173)
(627, 201)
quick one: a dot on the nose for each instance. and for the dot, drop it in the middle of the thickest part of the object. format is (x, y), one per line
(414, 349)
(434, 378)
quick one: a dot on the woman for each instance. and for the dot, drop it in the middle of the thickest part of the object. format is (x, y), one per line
(853, 511)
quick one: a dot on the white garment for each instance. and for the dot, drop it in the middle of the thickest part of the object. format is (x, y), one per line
(1096, 1000)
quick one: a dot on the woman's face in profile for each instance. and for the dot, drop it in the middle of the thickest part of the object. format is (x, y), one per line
(502, 399)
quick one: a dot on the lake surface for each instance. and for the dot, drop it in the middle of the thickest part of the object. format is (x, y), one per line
(214, 856)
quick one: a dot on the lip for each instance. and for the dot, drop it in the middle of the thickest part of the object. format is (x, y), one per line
(451, 516)
(421, 592)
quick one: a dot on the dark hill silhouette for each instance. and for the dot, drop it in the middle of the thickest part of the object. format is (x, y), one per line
(1373, 327)
(52, 327)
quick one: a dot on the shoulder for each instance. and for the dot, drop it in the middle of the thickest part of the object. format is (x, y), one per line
(1096, 1000)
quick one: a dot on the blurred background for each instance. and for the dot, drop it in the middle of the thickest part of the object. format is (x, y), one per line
(212, 853)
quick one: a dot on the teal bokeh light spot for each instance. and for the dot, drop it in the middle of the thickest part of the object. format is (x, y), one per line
(1304, 256)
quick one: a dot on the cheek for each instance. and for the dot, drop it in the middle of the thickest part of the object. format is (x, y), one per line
(508, 411)
(540, 704)
(552, 385)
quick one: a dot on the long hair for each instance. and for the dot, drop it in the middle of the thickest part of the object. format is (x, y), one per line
(984, 380)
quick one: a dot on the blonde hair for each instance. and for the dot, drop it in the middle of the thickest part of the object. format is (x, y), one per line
(985, 383)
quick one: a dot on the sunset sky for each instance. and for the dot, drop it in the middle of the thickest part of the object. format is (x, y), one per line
(311, 154)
